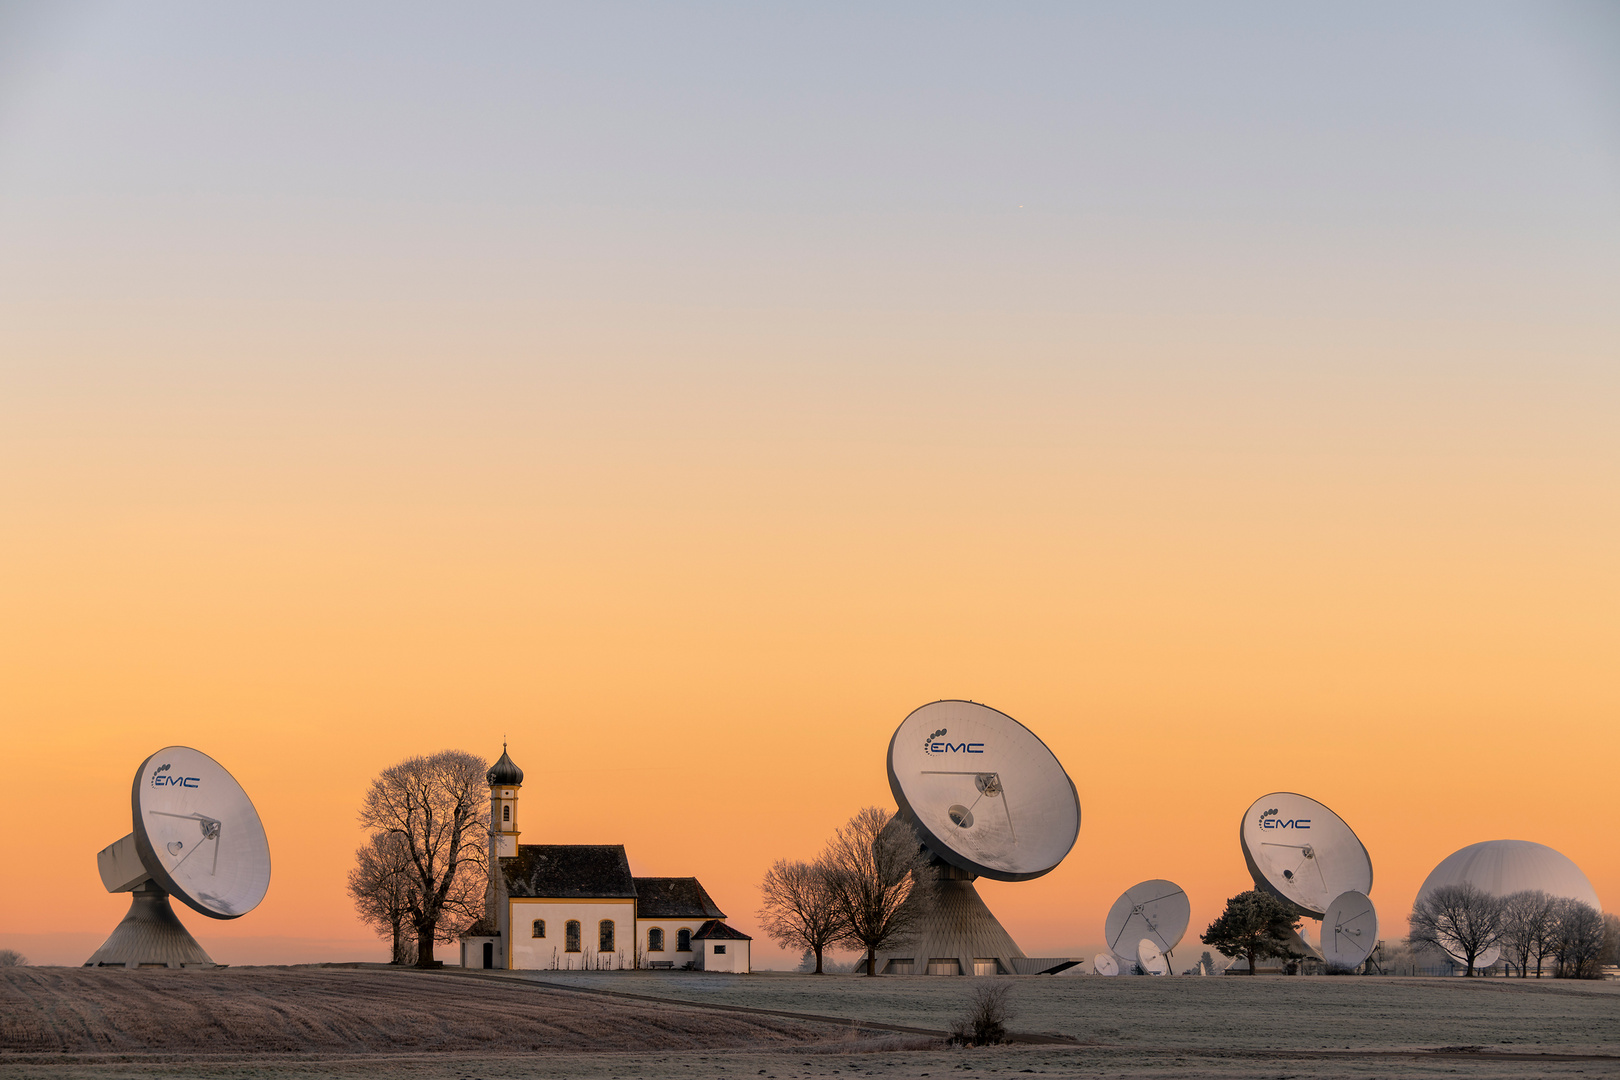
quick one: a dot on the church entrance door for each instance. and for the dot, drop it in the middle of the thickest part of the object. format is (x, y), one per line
(489, 954)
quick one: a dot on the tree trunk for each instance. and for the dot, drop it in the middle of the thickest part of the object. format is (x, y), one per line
(871, 962)
(1251, 963)
(424, 945)
(818, 961)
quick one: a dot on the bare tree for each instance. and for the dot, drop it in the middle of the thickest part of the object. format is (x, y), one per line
(12, 958)
(1577, 938)
(1462, 920)
(872, 871)
(1528, 927)
(382, 885)
(1611, 940)
(439, 807)
(799, 909)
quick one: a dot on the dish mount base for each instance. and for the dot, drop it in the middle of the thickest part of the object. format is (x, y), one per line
(151, 935)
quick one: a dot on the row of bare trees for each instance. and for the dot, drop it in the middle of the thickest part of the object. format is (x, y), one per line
(865, 891)
(420, 877)
(1528, 927)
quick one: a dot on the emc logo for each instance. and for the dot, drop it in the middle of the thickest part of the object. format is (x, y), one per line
(1270, 820)
(160, 780)
(934, 745)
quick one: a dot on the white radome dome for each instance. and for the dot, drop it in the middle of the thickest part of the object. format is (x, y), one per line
(1501, 867)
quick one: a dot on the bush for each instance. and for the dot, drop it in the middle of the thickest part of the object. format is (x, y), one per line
(12, 958)
(985, 1021)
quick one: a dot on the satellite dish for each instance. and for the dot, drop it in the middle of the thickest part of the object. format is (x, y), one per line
(1104, 964)
(196, 836)
(1151, 959)
(984, 794)
(1302, 853)
(1156, 909)
(1349, 929)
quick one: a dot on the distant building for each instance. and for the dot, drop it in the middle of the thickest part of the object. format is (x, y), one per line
(577, 907)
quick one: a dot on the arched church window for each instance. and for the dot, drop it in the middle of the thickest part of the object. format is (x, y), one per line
(539, 928)
(571, 936)
(683, 940)
(604, 936)
(655, 940)
(506, 813)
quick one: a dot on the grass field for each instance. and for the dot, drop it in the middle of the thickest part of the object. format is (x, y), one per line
(372, 1024)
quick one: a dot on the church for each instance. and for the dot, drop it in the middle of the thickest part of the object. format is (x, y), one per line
(573, 907)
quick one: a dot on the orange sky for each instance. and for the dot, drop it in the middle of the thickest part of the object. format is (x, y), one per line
(329, 435)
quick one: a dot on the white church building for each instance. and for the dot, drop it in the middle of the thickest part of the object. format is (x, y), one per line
(559, 907)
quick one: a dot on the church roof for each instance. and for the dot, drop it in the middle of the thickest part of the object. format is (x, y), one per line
(504, 771)
(569, 872)
(719, 931)
(674, 898)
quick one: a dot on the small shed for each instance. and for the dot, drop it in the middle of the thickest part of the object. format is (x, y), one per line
(720, 948)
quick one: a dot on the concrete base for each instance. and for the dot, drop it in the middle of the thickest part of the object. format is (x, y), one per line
(150, 936)
(956, 935)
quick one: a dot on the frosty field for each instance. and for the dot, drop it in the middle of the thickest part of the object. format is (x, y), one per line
(287, 1023)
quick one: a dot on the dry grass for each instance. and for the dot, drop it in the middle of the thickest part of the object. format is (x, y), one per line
(305, 1010)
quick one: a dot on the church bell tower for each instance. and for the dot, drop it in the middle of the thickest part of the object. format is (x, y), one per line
(505, 778)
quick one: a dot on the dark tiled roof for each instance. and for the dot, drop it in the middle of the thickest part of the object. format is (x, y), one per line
(719, 931)
(569, 872)
(673, 898)
(504, 771)
(480, 929)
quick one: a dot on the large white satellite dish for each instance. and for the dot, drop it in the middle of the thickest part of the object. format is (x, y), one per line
(1156, 909)
(1349, 929)
(196, 836)
(1302, 853)
(1105, 964)
(983, 793)
(1151, 959)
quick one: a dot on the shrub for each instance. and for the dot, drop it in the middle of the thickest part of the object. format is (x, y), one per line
(985, 1021)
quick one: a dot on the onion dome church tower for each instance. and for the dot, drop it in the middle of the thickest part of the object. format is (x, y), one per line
(505, 778)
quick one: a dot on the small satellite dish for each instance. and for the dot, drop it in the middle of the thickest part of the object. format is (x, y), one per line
(1302, 853)
(1156, 909)
(983, 793)
(1151, 959)
(196, 836)
(1349, 929)
(1104, 964)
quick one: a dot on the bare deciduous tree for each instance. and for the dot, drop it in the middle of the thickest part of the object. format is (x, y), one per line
(12, 958)
(381, 883)
(799, 909)
(1611, 939)
(1528, 926)
(1462, 920)
(872, 871)
(439, 807)
(1577, 938)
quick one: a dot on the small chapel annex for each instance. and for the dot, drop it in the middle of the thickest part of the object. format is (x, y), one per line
(577, 907)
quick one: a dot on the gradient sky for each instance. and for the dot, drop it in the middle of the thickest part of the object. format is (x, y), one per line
(686, 393)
